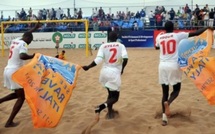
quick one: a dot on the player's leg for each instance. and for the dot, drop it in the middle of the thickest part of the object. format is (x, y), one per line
(8, 97)
(165, 93)
(20, 100)
(113, 97)
(175, 93)
(9, 84)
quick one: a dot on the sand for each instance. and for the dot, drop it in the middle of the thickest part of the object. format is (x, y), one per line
(139, 104)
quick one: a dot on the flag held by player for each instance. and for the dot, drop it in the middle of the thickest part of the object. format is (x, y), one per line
(195, 63)
(48, 83)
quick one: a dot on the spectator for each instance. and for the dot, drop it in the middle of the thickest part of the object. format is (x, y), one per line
(44, 14)
(30, 12)
(48, 15)
(22, 14)
(2, 17)
(206, 15)
(158, 18)
(172, 14)
(137, 15)
(95, 25)
(211, 18)
(142, 14)
(135, 25)
(61, 13)
(68, 13)
(151, 19)
(16, 15)
(53, 14)
(80, 14)
(58, 13)
(101, 13)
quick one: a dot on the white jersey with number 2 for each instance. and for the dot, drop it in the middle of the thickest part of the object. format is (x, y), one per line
(17, 46)
(168, 44)
(112, 54)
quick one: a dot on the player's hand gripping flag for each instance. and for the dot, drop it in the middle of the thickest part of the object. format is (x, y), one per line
(195, 63)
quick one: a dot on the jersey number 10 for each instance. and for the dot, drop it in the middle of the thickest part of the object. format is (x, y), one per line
(169, 46)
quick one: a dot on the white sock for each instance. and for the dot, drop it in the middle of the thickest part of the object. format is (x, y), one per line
(164, 117)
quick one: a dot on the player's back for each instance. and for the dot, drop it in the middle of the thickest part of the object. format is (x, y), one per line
(17, 46)
(114, 53)
(168, 44)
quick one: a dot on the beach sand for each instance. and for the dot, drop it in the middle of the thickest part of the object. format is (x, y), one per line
(139, 104)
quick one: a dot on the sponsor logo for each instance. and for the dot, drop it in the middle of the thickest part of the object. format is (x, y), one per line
(83, 35)
(69, 46)
(69, 35)
(96, 46)
(57, 37)
(83, 45)
(100, 35)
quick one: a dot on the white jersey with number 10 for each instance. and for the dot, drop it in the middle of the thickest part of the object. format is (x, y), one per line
(112, 54)
(168, 44)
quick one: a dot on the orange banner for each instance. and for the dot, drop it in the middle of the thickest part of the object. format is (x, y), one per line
(48, 83)
(195, 63)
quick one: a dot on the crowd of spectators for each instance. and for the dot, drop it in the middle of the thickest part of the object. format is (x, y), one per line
(183, 17)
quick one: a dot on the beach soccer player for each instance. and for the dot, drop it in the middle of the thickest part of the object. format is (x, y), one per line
(169, 71)
(17, 55)
(115, 57)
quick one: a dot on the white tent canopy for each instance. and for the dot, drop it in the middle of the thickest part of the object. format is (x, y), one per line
(16, 4)
(12, 5)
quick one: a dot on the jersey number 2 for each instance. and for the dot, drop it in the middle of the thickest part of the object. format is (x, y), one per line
(113, 56)
(169, 46)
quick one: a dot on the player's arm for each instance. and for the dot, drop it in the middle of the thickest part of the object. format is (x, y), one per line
(197, 32)
(157, 44)
(93, 64)
(25, 56)
(38, 24)
(124, 63)
(97, 60)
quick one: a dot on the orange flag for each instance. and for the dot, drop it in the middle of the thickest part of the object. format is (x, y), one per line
(48, 84)
(195, 63)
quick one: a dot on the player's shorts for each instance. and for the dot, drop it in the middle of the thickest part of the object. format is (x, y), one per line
(110, 78)
(8, 82)
(169, 73)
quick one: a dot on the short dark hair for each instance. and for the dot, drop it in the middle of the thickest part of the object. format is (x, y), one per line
(113, 36)
(169, 26)
(28, 35)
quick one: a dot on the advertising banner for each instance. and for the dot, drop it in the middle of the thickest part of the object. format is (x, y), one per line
(67, 40)
(136, 38)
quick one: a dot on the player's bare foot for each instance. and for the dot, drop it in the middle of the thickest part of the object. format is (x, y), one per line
(164, 123)
(112, 114)
(167, 110)
(164, 120)
(12, 124)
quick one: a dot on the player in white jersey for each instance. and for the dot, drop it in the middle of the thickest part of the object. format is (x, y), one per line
(169, 71)
(115, 59)
(17, 55)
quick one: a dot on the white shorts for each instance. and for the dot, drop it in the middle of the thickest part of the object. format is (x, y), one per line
(169, 73)
(8, 82)
(110, 78)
